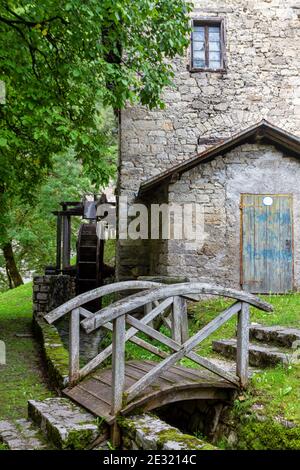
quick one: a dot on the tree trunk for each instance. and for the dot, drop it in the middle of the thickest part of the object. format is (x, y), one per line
(14, 276)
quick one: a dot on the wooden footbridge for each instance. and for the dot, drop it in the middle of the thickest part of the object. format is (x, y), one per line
(125, 386)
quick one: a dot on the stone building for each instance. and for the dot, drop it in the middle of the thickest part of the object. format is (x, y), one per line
(228, 139)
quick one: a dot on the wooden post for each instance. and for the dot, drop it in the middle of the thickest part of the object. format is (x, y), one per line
(147, 309)
(176, 319)
(74, 346)
(118, 374)
(184, 321)
(58, 242)
(66, 241)
(242, 353)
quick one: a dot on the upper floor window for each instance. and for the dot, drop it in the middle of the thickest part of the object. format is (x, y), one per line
(208, 45)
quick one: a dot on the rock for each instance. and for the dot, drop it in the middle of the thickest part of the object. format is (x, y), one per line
(22, 434)
(278, 335)
(147, 432)
(64, 423)
(259, 355)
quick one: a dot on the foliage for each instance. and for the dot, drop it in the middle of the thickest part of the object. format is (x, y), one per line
(33, 227)
(59, 61)
(62, 64)
(268, 435)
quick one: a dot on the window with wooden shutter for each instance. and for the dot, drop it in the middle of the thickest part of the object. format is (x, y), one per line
(208, 45)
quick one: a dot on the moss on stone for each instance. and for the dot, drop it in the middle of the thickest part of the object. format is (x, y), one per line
(267, 435)
(189, 442)
(55, 355)
(78, 440)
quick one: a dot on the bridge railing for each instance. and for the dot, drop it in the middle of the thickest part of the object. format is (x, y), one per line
(169, 301)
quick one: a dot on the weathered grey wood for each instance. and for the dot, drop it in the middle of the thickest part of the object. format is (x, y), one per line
(202, 361)
(167, 322)
(181, 330)
(85, 313)
(118, 364)
(129, 334)
(184, 322)
(191, 355)
(94, 393)
(185, 348)
(95, 294)
(74, 346)
(118, 374)
(151, 332)
(66, 258)
(147, 309)
(176, 319)
(176, 394)
(177, 347)
(242, 354)
(140, 342)
(138, 300)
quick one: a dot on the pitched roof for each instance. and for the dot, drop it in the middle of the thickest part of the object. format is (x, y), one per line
(263, 132)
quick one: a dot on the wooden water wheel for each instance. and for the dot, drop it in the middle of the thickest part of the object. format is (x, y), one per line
(90, 250)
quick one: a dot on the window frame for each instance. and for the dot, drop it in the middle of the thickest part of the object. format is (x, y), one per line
(207, 22)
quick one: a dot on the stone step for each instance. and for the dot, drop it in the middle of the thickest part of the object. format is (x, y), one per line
(65, 424)
(22, 434)
(278, 335)
(260, 355)
(229, 365)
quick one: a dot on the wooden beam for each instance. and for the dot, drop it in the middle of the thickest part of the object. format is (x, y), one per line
(58, 242)
(176, 317)
(66, 257)
(99, 292)
(129, 334)
(140, 342)
(136, 301)
(242, 353)
(118, 373)
(147, 309)
(184, 321)
(186, 348)
(74, 346)
(118, 364)
(207, 364)
(177, 347)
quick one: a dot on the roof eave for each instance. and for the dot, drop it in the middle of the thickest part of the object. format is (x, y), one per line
(261, 131)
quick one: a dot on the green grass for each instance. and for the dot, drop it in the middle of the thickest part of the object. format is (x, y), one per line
(22, 378)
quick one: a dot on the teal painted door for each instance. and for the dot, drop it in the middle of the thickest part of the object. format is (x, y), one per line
(267, 243)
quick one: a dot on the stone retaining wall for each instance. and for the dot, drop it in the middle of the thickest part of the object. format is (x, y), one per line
(51, 291)
(147, 432)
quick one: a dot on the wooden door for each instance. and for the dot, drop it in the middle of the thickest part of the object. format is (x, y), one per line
(267, 243)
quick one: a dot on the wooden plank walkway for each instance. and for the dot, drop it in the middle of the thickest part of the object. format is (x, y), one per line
(176, 384)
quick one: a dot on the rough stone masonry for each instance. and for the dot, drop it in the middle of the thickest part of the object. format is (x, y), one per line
(260, 81)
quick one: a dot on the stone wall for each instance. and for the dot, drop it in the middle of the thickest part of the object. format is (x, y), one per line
(261, 81)
(52, 291)
(147, 432)
(210, 418)
(254, 169)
